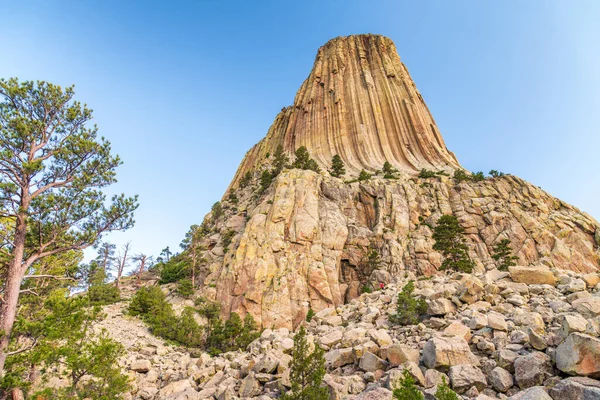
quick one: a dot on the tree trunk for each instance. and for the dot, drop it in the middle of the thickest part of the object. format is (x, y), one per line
(11, 290)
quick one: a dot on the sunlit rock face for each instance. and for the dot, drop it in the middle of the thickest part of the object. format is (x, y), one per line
(359, 102)
(303, 243)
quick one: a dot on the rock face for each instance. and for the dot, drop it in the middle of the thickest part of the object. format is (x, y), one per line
(359, 102)
(302, 242)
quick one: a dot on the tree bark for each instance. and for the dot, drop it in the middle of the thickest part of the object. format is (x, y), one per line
(11, 291)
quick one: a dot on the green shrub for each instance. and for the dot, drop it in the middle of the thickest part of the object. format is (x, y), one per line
(307, 370)
(460, 175)
(216, 211)
(231, 335)
(478, 177)
(103, 293)
(337, 167)
(407, 389)
(364, 175)
(145, 300)
(265, 180)
(309, 315)
(232, 198)
(303, 160)
(389, 172)
(246, 179)
(367, 288)
(173, 271)
(226, 239)
(185, 287)
(444, 392)
(496, 174)
(425, 174)
(408, 308)
(280, 161)
(503, 255)
(449, 240)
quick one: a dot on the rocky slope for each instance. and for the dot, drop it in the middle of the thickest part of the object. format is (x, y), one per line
(359, 102)
(527, 334)
(304, 243)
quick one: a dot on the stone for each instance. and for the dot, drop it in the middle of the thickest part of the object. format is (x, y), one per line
(533, 393)
(579, 354)
(370, 362)
(576, 388)
(497, 321)
(331, 339)
(532, 275)
(339, 357)
(441, 307)
(588, 307)
(447, 352)
(354, 337)
(267, 364)
(377, 393)
(433, 378)
(141, 366)
(465, 376)
(501, 379)
(380, 336)
(532, 369)
(572, 323)
(458, 329)
(536, 340)
(250, 387)
(397, 354)
(591, 280)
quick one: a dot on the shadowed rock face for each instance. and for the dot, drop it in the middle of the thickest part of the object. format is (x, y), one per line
(359, 102)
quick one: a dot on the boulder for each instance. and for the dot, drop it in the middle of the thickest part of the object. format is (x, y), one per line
(441, 307)
(447, 352)
(457, 328)
(501, 379)
(533, 393)
(532, 275)
(250, 386)
(369, 362)
(576, 388)
(331, 339)
(397, 354)
(572, 323)
(142, 366)
(380, 336)
(589, 307)
(377, 393)
(579, 354)
(339, 357)
(465, 376)
(532, 369)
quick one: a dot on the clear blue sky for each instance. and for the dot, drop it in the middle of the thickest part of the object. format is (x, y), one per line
(184, 89)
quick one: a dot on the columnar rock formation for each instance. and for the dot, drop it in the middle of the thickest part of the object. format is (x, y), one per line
(360, 102)
(302, 242)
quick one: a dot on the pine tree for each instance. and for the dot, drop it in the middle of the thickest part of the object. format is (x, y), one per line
(444, 392)
(450, 242)
(389, 171)
(307, 370)
(302, 157)
(303, 160)
(265, 180)
(503, 255)
(280, 161)
(364, 175)
(337, 167)
(407, 389)
(408, 308)
(246, 179)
